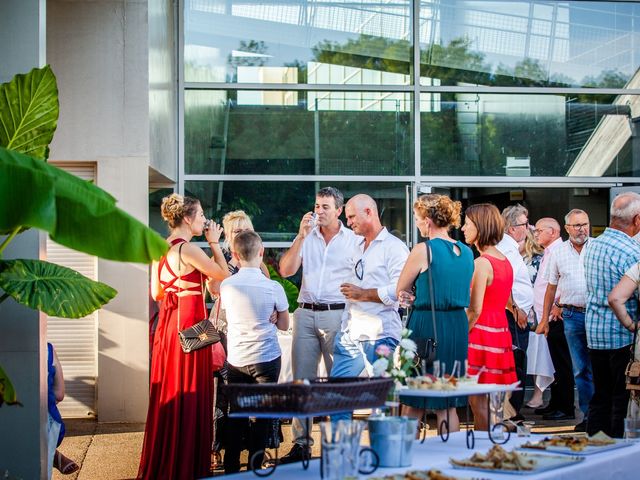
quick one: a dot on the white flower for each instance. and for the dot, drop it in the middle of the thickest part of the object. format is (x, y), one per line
(408, 355)
(380, 366)
(408, 344)
(395, 372)
(406, 332)
(401, 374)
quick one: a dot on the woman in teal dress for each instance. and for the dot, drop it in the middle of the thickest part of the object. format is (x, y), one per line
(451, 268)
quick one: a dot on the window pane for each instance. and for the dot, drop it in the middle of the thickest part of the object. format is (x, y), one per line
(297, 41)
(529, 43)
(306, 133)
(277, 207)
(528, 135)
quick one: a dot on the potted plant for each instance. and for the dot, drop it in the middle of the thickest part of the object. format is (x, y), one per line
(75, 213)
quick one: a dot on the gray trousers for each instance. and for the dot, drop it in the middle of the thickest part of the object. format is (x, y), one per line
(314, 335)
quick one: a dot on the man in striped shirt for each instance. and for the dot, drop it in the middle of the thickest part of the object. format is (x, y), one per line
(606, 260)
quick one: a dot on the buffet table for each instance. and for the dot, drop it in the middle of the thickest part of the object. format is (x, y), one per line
(620, 463)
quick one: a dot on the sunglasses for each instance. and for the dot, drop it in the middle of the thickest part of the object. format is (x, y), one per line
(359, 269)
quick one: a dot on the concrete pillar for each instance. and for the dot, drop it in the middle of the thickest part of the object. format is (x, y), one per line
(23, 353)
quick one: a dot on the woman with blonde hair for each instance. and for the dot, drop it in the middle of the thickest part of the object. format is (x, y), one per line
(177, 439)
(236, 222)
(531, 252)
(490, 346)
(449, 263)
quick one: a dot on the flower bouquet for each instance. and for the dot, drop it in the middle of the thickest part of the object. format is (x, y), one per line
(397, 364)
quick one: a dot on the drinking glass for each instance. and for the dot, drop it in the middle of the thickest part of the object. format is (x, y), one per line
(333, 445)
(352, 431)
(496, 414)
(632, 427)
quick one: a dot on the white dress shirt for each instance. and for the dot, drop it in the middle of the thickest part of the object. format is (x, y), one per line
(326, 266)
(566, 270)
(381, 265)
(540, 285)
(249, 299)
(522, 289)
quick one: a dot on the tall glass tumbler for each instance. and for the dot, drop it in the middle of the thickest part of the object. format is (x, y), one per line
(333, 445)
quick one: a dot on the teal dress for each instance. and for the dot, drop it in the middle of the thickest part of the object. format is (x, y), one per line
(452, 287)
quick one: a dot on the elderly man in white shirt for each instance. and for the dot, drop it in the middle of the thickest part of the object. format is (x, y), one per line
(566, 275)
(516, 225)
(324, 248)
(371, 318)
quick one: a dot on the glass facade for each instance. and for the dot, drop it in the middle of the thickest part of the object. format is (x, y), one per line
(283, 97)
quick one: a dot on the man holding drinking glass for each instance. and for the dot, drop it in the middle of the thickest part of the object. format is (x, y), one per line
(324, 248)
(371, 318)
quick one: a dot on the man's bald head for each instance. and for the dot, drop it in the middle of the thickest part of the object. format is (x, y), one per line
(362, 216)
(625, 213)
(362, 201)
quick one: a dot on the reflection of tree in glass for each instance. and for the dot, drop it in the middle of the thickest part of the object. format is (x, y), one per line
(248, 46)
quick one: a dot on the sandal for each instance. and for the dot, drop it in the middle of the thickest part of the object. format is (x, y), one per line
(65, 465)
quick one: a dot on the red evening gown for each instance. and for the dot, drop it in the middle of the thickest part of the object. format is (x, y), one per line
(178, 433)
(490, 342)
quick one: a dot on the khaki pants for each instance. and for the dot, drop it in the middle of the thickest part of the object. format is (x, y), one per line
(314, 335)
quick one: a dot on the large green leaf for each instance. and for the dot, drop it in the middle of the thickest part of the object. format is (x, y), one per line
(29, 112)
(76, 213)
(290, 288)
(7, 392)
(55, 290)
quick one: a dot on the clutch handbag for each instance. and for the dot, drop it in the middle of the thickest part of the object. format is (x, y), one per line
(203, 333)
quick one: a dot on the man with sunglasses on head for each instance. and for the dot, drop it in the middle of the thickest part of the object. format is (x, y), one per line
(567, 290)
(371, 318)
(324, 248)
(516, 225)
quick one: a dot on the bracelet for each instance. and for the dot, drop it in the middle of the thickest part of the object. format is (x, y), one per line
(213, 243)
(557, 304)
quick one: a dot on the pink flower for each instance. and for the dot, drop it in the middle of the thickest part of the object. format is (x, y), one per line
(383, 351)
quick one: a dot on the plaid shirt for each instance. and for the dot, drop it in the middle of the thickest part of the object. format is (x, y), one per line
(606, 259)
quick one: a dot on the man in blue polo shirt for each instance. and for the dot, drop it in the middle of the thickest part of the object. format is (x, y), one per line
(606, 260)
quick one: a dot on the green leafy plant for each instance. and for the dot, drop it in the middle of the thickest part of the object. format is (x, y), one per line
(290, 290)
(75, 213)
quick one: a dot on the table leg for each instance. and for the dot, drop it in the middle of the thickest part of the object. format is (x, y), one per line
(306, 456)
(471, 439)
(443, 428)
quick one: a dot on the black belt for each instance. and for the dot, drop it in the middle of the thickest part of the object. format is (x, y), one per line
(573, 308)
(321, 307)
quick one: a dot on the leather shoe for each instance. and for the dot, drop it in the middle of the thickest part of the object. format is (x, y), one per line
(544, 410)
(581, 427)
(296, 454)
(558, 415)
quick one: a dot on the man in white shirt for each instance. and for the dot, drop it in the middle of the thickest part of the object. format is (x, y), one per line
(516, 225)
(371, 318)
(253, 352)
(566, 274)
(325, 251)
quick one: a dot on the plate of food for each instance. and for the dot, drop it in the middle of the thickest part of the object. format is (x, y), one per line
(576, 444)
(518, 463)
(431, 474)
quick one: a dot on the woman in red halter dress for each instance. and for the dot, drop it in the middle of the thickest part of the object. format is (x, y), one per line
(178, 432)
(490, 346)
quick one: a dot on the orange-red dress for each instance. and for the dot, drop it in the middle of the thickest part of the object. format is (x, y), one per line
(178, 433)
(490, 344)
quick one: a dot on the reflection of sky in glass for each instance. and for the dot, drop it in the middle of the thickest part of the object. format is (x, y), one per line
(566, 42)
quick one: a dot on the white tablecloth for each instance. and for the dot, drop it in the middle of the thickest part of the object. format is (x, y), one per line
(434, 453)
(539, 361)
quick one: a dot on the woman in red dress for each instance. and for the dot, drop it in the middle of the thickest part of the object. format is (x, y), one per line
(490, 345)
(178, 433)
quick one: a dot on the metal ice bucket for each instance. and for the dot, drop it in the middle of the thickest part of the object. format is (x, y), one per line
(392, 439)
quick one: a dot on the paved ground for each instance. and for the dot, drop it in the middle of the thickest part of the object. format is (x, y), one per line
(112, 451)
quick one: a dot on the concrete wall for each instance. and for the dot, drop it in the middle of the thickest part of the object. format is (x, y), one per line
(23, 448)
(99, 53)
(163, 88)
